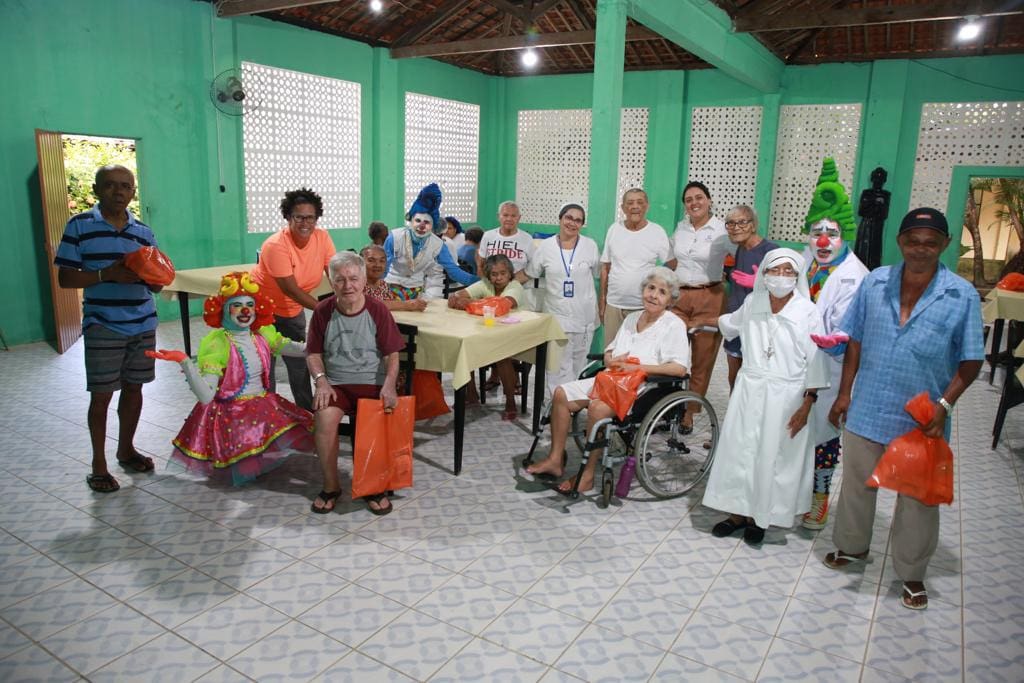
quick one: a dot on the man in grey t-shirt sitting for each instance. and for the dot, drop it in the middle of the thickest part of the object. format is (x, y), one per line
(352, 348)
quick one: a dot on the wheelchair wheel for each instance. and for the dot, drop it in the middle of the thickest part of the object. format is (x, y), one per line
(606, 489)
(670, 463)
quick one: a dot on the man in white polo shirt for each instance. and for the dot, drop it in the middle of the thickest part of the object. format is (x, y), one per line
(631, 248)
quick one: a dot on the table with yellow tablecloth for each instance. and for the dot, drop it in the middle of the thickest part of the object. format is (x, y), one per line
(999, 306)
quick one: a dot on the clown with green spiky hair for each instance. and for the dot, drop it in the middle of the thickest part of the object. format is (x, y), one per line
(833, 275)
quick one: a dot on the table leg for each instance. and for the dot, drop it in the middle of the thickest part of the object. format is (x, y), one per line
(460, 425)
(997, 341)
(186, 333)
(1012, 395)
(539, 385)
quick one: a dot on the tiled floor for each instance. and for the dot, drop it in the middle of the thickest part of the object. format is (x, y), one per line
(477, 577)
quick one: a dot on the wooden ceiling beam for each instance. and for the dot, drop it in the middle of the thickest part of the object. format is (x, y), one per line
(940, 10)
(464, 47)
(238, 8)
(581, 14)
(515, 10)
(441, 15)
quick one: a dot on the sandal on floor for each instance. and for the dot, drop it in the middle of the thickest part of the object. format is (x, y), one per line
(509, 415)
(136, 463)
(727, 527)
(378, 499)
(839, 559)
(102, 483)
(908, 596)
(329, 498)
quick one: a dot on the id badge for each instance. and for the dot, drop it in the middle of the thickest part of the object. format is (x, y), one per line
(568, 287)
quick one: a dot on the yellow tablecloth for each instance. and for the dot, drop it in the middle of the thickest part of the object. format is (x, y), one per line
(456, 342)
(206, 281)
(1000, 303)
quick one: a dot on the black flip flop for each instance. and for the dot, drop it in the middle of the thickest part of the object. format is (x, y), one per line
(137, 463)
(102, 483)
(328, 498)
(378, 498)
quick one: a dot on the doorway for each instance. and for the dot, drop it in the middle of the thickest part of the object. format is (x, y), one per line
(67, 169)
(993, 230)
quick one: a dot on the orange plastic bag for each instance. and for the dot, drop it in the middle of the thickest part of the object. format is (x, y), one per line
(916, 465)
(502, 306)
(152, 265)
(382, 460)
(1014, 282)
(429, 395)
(618, 388)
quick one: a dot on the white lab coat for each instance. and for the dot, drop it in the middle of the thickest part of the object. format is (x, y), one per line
(835, 297)
(759, 471)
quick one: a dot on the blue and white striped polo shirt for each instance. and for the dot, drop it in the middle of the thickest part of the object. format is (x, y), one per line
(91, 243)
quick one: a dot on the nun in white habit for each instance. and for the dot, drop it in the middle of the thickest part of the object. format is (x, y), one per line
(763, 473)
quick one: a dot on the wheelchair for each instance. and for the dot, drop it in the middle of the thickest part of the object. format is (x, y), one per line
(670, 459)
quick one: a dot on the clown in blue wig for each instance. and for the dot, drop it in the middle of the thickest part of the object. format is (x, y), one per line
(417, 258)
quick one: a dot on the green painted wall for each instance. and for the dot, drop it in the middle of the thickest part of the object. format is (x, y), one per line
(141, 69)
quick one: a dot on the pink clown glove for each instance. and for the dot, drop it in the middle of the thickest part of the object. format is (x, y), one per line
(828, 341)
(167, 354)
(744, 280)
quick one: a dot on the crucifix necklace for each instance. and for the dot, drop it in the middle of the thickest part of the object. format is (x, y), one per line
(773, 327)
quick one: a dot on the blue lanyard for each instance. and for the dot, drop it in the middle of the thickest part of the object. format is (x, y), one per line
(568, 268)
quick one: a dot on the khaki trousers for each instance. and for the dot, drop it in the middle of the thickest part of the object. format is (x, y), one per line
(613, 318)
(699, 307)
(915, 526)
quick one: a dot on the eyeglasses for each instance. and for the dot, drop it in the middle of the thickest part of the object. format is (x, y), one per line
(572, 219)
(730, 225)
(304, 219)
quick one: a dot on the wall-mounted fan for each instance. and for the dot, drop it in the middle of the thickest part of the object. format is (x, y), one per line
(230, 96)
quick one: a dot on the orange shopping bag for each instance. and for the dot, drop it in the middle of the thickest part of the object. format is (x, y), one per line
(152, 265)
(502, 306)
(916, 465)
(429, 395)
(618, 388)
(382, 460)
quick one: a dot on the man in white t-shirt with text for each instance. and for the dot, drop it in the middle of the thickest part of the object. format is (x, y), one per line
(632, 247)
(510, 241)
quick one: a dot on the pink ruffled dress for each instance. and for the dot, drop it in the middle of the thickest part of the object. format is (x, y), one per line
(246, 435)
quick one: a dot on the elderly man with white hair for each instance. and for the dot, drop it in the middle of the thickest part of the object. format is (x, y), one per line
(763, 472)
(352, 348)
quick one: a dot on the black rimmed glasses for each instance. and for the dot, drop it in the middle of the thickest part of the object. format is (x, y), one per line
(736, 225)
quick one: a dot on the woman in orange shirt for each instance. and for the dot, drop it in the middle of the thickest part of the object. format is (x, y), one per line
(291, 265)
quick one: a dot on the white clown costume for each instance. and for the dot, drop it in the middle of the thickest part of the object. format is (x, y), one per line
(760, 472)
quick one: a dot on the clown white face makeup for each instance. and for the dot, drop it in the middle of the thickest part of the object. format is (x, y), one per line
(421, 224)
(825, 240)
(239, 312)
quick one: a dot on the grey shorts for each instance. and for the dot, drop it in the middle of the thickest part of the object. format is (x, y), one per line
(112, 359)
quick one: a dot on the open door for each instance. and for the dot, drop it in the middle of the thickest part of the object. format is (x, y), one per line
(67, 308)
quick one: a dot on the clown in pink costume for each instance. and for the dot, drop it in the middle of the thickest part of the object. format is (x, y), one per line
(239, 425)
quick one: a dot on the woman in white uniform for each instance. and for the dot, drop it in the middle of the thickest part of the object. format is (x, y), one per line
(764, 469)
(569, 264)
(651, 336)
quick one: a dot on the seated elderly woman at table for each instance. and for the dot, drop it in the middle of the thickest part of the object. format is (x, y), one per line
(499, 280)
(651, 336)
(352, 352)
(417, 258)
(376, 265)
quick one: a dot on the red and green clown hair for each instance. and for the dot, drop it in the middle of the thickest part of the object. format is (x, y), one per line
(238, 284)
(831, 201)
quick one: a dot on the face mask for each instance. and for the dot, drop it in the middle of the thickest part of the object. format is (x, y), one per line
(779, 285)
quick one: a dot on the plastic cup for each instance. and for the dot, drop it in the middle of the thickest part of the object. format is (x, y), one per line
(489, 316)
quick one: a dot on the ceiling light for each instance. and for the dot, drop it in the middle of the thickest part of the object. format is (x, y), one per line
(376, 5)
(530, 58)
(970, 30)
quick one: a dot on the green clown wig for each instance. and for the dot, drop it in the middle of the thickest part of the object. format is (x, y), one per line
(831, 201)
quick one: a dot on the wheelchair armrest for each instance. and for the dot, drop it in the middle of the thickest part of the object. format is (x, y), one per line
(595, 356)
(662, 380)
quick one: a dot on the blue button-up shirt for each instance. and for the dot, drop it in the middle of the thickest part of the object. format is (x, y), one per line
(896, 363)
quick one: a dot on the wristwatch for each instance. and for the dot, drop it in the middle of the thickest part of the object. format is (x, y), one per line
(318, 376)
(945, 404)
(813, 395)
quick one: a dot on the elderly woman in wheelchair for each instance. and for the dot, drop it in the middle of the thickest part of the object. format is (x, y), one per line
(652, 336)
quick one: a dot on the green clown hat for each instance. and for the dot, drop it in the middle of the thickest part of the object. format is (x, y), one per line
(831, 201)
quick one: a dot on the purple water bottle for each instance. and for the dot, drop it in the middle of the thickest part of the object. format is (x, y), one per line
(625, 477)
